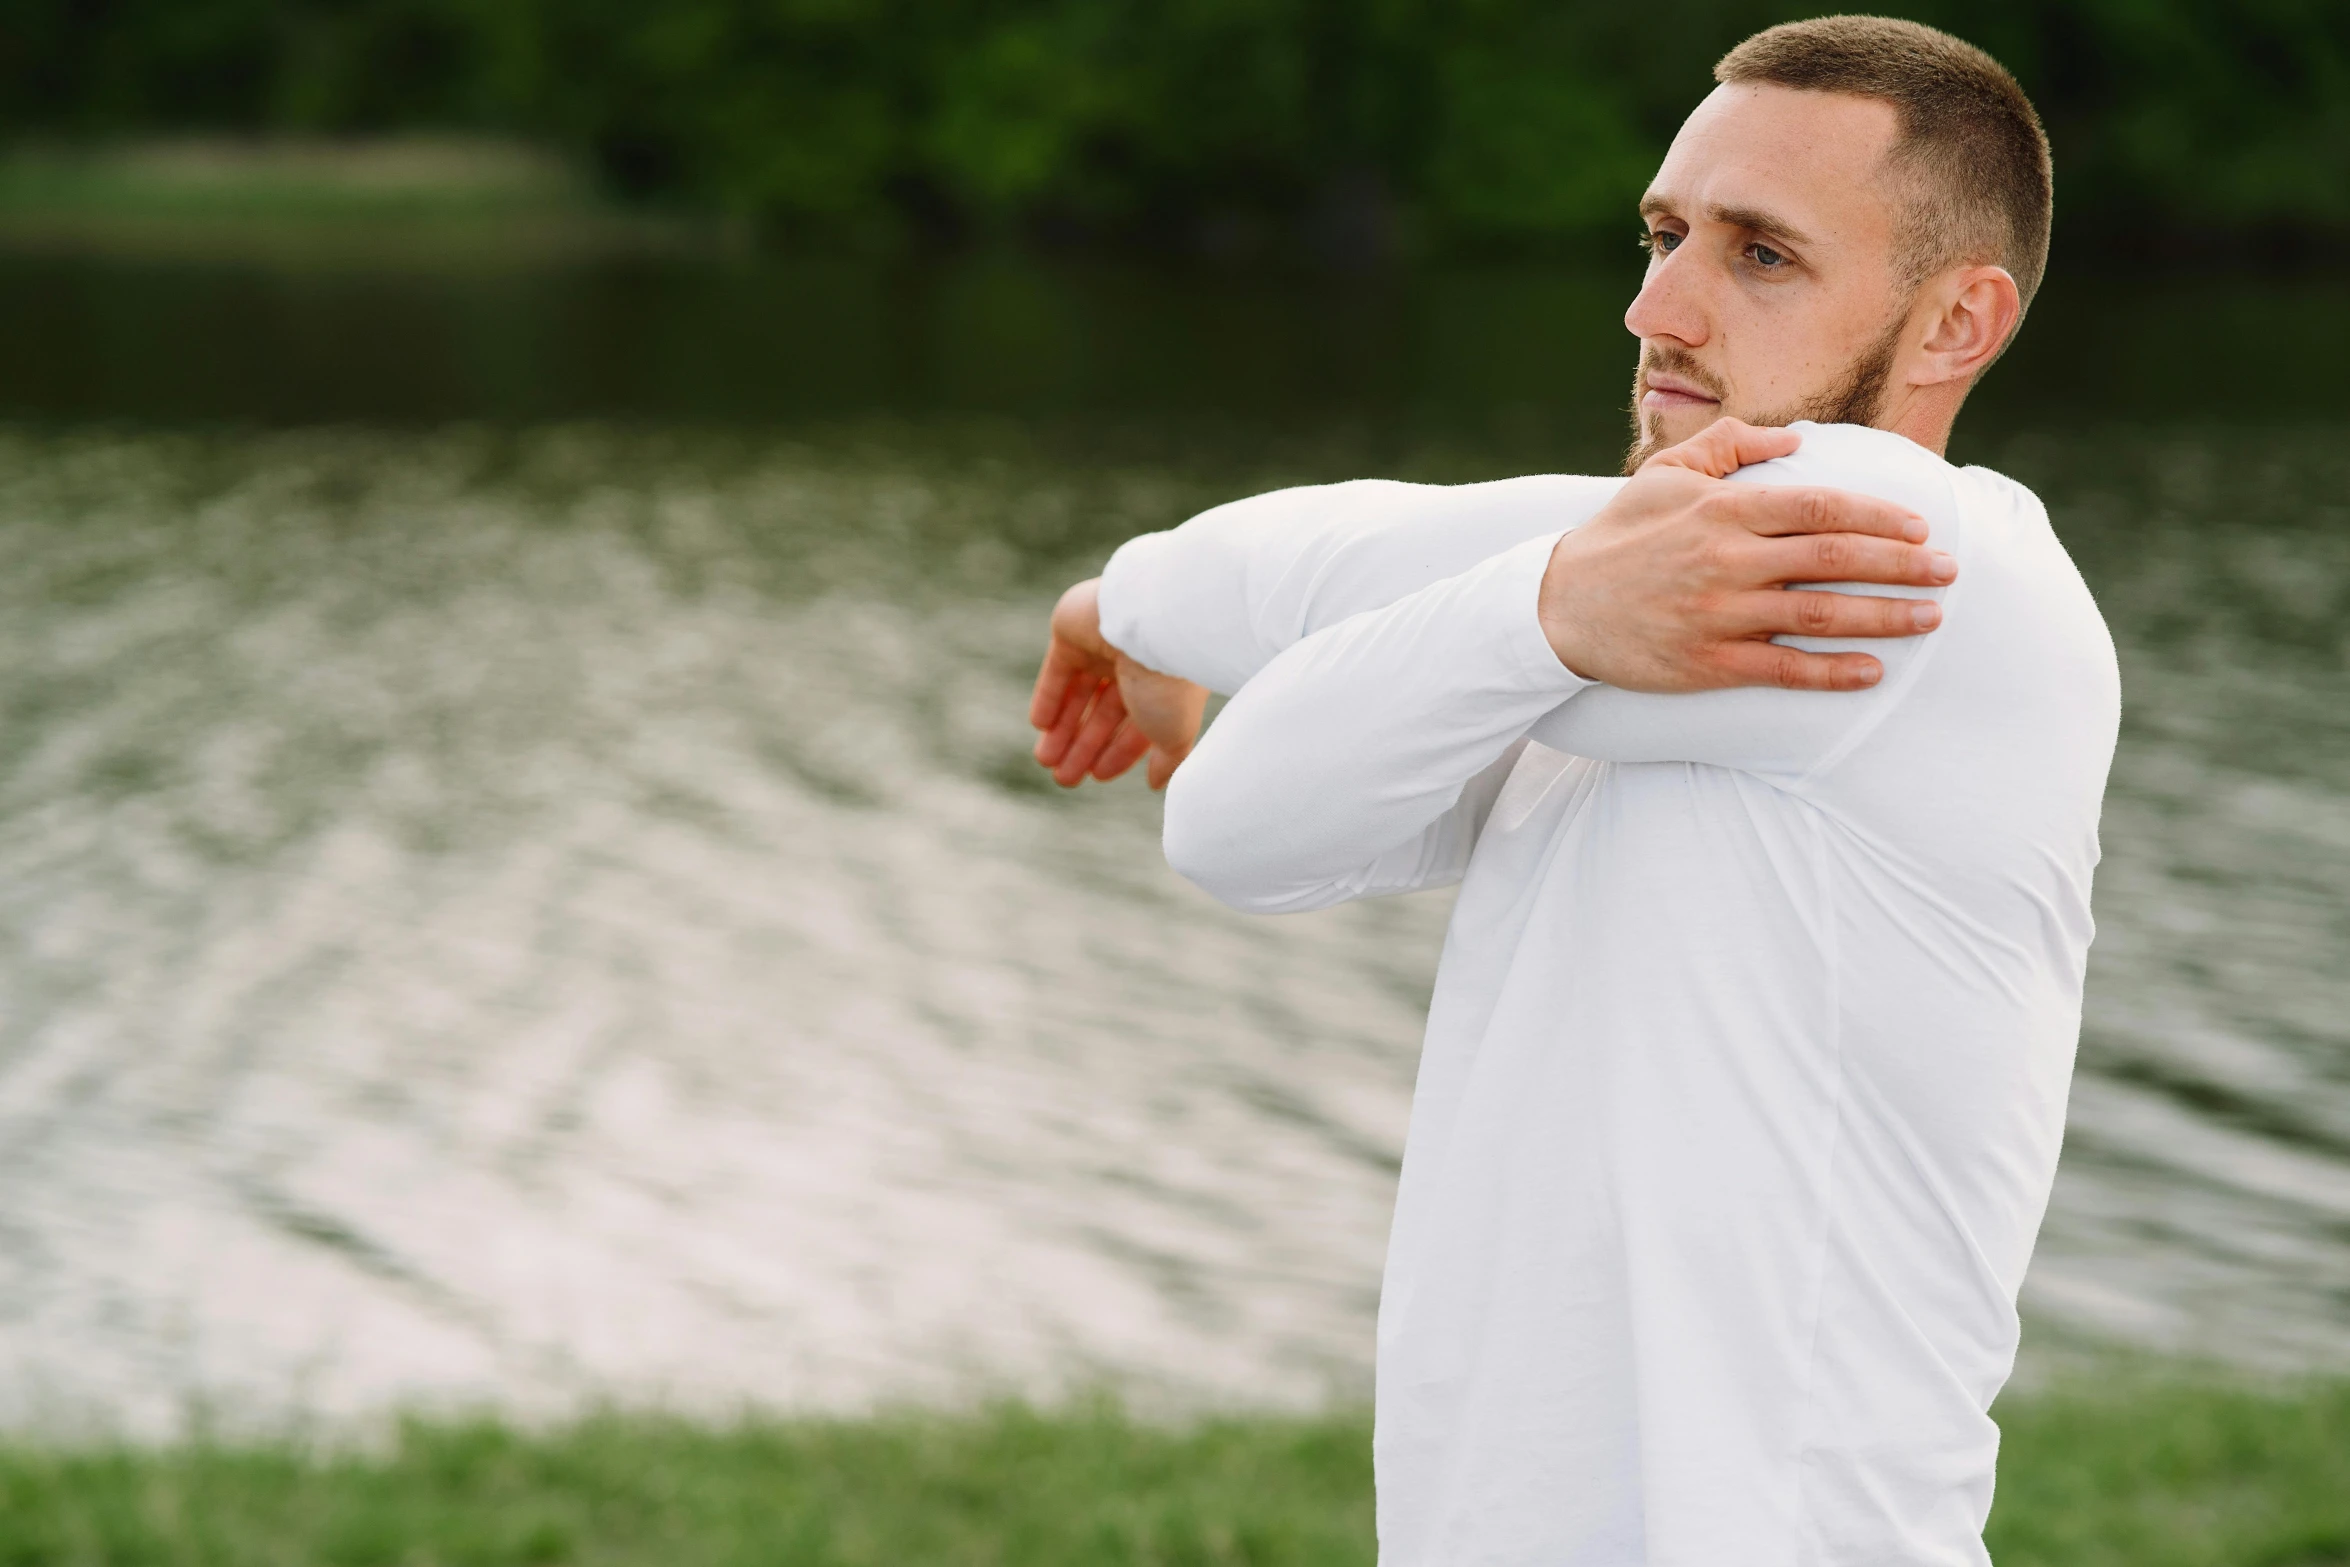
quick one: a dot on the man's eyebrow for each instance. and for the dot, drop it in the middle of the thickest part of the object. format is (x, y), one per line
(1759, 221)
(1654, 206)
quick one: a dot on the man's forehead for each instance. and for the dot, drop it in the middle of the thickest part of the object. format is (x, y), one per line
(1806, 161)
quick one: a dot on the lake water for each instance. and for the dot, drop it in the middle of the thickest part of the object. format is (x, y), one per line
(523, 884)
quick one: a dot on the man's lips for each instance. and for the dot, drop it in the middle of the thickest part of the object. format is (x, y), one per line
(1662, 393)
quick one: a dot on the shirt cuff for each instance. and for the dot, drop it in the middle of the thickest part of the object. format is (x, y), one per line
(1517, 601)
(1123, 598)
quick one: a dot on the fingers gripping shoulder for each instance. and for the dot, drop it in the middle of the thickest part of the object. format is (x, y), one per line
(1866, 462)
(1876, 463)
(1787, 734)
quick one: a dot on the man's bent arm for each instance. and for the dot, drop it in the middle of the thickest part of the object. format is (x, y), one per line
(1436, 856)
(1361, 738)
(1370, 743)
(1216, 599)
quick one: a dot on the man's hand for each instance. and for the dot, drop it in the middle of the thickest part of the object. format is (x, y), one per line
(1099, 711)
(1678, 583)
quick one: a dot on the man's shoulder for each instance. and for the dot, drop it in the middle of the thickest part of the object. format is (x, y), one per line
(1878, 462)
(1353, 506)
(1411, 495)
(1866, 461)
(1988, 488)
(2019, 585)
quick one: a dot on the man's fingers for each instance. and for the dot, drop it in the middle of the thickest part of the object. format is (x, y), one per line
(1774, 509)
(1054, 743)
(1851, 557)
(1725, 446)
(1052, 685)
(1817, 614)
(1769, 664)
(1126, 747)
(1053, 675)
(1163, 765)
(1102, 720)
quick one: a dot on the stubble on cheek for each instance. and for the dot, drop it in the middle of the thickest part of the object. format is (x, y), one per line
(1648, 429)
(1855, 395)
(1647, 439)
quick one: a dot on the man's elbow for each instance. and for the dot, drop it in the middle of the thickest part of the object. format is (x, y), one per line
(1209, 843)
(1200, 846)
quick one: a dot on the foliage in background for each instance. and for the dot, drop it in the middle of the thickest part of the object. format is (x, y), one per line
(2131, 1476)
(1215, 125)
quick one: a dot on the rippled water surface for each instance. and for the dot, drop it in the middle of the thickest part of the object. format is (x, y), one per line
(565, 914)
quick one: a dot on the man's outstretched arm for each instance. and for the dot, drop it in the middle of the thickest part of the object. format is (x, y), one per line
(1359, 742)
(1205, 606)
(1213, 601)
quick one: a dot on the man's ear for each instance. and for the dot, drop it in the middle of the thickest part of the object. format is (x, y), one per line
(1976, 312)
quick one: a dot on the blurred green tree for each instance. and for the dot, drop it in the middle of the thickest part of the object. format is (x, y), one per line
(1216, 124)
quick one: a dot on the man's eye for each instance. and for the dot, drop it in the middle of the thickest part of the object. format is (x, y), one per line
(1660, 242)
(1765, 256)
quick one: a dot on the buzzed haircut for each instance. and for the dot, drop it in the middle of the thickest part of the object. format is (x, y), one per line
(1971, 153)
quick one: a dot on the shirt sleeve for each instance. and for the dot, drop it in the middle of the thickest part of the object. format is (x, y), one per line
(1346, 765)
(1216, 599)
(1353, 749)
(1435, 856)
(1219, 598)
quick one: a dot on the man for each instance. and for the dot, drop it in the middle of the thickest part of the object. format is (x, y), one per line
(1746, 1065)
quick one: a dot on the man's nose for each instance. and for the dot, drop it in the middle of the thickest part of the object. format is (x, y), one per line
(1668, 304)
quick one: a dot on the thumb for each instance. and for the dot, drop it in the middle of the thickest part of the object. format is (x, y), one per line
(1163, 763)
(1725, 446)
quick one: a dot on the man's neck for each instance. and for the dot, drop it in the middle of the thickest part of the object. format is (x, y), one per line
(1923, 414)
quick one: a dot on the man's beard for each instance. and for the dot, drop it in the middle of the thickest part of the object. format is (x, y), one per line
(1855, 397)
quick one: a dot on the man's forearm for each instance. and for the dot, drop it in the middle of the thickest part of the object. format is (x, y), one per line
(1233, 597)
(1357, 739)
(1666, 584)
(1216, 599)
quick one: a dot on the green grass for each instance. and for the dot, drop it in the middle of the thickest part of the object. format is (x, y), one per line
(1009, 1487)
(2148, 1475)
(2154, 1475)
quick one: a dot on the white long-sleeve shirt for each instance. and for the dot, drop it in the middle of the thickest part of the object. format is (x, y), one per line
(1747, 1061)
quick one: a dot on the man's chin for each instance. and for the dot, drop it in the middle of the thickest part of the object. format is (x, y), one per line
(1653, 432)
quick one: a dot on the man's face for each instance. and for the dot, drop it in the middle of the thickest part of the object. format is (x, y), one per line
(1772, 293)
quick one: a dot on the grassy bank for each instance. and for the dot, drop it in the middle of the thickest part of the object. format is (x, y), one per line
(2148, 1476)
(387, 200)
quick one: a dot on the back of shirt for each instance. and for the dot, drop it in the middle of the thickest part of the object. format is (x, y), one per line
(1964, 834)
